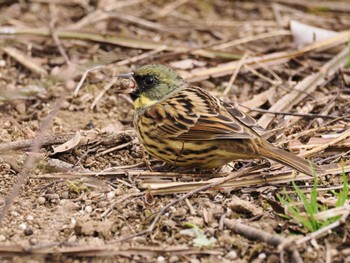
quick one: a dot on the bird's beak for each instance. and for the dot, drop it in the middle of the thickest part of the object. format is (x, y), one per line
(126, 76)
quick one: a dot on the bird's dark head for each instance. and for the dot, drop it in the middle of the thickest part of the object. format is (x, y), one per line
(154, 83)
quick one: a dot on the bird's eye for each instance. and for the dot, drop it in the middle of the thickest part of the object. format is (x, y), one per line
(149, 81)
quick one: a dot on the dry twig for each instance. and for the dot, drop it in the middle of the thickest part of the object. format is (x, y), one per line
(216, 182)
(32, 159)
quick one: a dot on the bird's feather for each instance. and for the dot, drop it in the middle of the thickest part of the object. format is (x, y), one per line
(194, 114)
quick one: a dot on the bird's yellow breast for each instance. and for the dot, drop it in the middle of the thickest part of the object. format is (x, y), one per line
(143, 101)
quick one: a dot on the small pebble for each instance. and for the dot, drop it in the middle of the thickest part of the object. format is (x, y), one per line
(210, 230)
(72, 238)
(53, 198)
(232, 255)
(262, 256)
(28, 231)
(50, 191)
(180, 212)
(140, 240)
(118, 191)
(102, 204)
(111, 195)
(33, 241)
(30, 218)
(2, 238)
(65, 195)
(174, 259)
(14, 213)
(7, 124)
(65, 105)
(22, 226)
(41, 200)
(88, 209)
(160, 259)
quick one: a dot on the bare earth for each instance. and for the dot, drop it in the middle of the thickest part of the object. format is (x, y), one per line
(89, 186)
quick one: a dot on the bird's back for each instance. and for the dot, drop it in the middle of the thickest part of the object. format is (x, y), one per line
(192, 127)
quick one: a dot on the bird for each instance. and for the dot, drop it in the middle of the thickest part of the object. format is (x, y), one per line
(185, 126)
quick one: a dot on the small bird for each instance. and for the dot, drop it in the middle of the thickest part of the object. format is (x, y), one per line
(184, 125)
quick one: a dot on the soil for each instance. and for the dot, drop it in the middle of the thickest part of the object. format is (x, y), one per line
(69, 209)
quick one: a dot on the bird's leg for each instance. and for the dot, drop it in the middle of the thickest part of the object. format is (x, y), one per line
(145, 160)
(164, 168)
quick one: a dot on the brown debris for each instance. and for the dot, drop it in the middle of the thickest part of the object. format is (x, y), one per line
(74, 179)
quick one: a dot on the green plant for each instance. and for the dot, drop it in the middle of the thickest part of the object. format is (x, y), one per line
(200, 239)
(311, 206)
(343, 195)
(76, 186)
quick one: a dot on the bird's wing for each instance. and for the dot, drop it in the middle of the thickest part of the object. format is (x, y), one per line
(244, 118)
(194, 114)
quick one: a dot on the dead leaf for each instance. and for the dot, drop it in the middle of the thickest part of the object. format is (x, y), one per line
(306, 34)
(243, 206)
(70, 144)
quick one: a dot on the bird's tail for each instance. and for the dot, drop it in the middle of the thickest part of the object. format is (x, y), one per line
(300, 164)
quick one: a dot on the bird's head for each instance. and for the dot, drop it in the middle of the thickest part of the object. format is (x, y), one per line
(154, 83)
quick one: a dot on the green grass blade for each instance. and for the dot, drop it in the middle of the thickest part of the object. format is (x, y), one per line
(343, 195)
(309, 207)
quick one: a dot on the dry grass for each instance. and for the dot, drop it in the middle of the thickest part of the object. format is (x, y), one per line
(74, 179)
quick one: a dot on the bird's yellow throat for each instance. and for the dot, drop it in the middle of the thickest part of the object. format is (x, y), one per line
(143, 102)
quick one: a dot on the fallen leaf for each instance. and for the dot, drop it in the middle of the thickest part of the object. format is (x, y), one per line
(70, 144)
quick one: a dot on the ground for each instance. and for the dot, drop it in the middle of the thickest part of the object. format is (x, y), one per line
(75, 181)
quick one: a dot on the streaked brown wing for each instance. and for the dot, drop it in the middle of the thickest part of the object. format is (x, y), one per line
(194, 114)
(243, 118)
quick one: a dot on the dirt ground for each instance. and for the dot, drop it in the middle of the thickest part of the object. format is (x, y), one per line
(66, 129)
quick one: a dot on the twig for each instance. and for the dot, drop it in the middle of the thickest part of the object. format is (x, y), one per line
(22, 144)
(100, 14)
(257, 234)
(83, 79)
(53, 14)
(117, 40)
(305, 87)
(115, 168)
(306, 115)
(104, 90)
(141, 56)
(251, 178)
(324, 230)
(25, 60)
(252, 38)
(317, 233)
(116, 148)
(141, 22)
(121, 172)
(216, 182)
(190, 207)
(340, 138)
(171, 7)
(275, 58)
(120, 200)
(328, 252)
(255, 72)
(72, 249)
(31, 160)
(269, 70)
(325, 127)
(235, 73)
